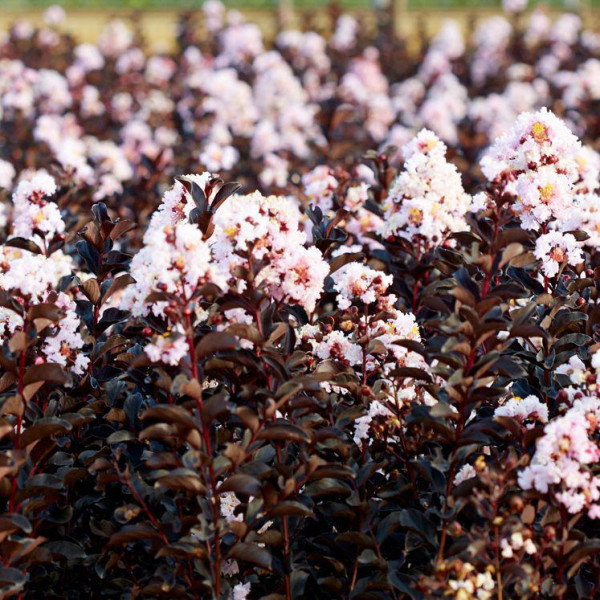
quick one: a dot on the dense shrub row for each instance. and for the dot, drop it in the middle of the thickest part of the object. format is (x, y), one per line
(367, 370)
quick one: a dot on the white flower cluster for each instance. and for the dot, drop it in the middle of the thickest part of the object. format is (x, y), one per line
(174, 259)
(168, 348)
(567, 454)
(362, 425)
(287, 118)
(517, 543)
(357, 282)
(469, 583)
(564, 456)
(495, 114)
(33, 278)
(537, 162)
(492, 38)
(32, 210)
(65, 346)
(366, 87)
(319, 186)
(7, 175)
(528, 410)
(336, 345)
(267, 230)
(297, 277)
(251, 231)
(427, 201)
(32, 275)
(465, 473)
(557, 249)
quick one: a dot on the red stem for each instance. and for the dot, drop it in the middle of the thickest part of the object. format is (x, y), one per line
(206, 437)
(13, 489)
(144, 506)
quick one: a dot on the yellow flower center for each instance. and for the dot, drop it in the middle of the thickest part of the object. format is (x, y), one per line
(416, 216)
(179, 262)
(565, 444)
(539, 132)
(546, 192)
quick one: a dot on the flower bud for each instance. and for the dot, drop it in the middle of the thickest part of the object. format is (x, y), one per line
(455, 529)
(516, 504)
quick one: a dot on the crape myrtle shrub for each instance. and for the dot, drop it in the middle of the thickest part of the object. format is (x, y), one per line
(369, 372)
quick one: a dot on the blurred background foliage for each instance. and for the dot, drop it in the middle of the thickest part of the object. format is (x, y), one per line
(267, 4)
